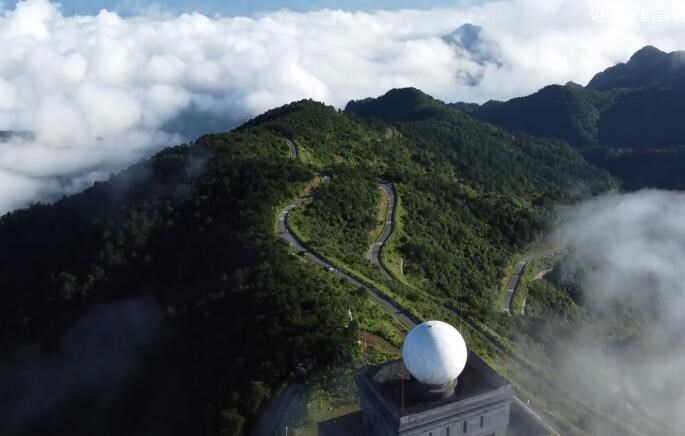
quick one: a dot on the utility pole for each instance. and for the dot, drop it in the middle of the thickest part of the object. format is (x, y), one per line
(402, 381)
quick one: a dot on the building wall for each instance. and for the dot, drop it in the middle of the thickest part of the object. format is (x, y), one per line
(495, 420)
(375, 419)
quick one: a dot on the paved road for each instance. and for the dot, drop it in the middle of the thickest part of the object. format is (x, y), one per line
(520, 399)
(514, 282)
(287, 399)
(395, 309)
(377, 247)
(655, 425)
(523, 401)
(279, 412)
(303, 250)
(515, 279)
(294, 151)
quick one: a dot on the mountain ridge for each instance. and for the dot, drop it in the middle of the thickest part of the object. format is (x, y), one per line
(647, 66)
(187, 237)
(630, 106)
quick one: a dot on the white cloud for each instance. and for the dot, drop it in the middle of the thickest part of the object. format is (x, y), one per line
(631, 248)
(98, 91)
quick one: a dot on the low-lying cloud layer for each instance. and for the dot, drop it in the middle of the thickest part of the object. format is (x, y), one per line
(100, 92)
(635, 247)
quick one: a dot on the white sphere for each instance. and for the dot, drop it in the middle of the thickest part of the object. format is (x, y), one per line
(434, 353)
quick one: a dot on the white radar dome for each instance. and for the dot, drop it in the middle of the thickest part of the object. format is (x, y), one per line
(434, 353)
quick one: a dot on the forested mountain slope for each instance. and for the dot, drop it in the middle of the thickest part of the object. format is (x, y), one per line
(168, 295)
(471, 193)
(193, 309)
(647, 66)
(631, 106)
(478, 154)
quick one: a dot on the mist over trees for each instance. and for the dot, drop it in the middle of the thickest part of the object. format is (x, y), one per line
(189, 234)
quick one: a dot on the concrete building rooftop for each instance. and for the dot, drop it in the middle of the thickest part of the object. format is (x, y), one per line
(392, 381)
(479, 386)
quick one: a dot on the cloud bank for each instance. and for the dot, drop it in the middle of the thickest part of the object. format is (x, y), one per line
(631, 249)
(100, 92)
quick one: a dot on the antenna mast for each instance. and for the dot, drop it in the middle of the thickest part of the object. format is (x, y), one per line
(400, 374)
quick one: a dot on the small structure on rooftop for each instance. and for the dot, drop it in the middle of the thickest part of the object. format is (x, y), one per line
(434, 353)
(437, 389)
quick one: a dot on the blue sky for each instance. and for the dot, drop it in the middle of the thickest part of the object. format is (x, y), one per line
(240, 7)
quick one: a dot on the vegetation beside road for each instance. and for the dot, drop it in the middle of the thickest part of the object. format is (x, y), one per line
(341, 217)
(383, 204)
(391, 256)
(432, 299)
(533, 268)
(190, 233)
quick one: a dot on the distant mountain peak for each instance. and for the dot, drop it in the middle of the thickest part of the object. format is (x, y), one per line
(8, 135)
(467, 36)
(406, 93)
(573, 85)
(647, 52)
(467, 41)
(647, 66)
(399, 104)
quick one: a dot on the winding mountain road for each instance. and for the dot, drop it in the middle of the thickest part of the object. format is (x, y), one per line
(404, 316)
(294, 151)
(388, 229)
(515, 281)
(390, 305)
(285, 402)
(395, 309)
(307, 253)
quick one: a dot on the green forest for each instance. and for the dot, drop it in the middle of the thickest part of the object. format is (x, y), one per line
(190, 232)
(626, 120)
(185, 242)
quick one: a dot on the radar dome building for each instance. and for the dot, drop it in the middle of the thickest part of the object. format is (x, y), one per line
(434, 353)
(437, 389)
